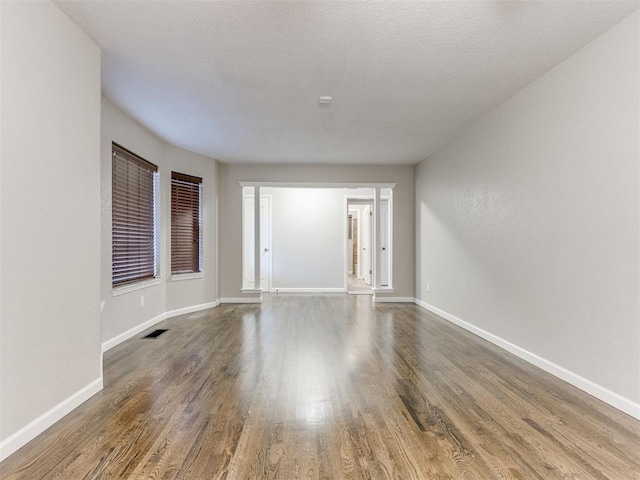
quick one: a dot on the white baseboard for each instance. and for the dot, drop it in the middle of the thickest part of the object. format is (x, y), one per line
(615, 400)
(44, 421)
(40, 424)
(241, 300)
(109, 344)
(378, 299)
(193, 308)
(309, 290)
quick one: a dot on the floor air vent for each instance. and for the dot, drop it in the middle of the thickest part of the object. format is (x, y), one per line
(155, 334)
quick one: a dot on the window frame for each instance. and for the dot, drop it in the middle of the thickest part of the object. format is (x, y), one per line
(134, 207)
(187, 234)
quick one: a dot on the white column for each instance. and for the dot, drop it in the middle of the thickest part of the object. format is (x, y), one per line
(256, 237)
(376, 239)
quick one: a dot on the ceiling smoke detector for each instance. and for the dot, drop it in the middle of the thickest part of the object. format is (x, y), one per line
(325, 99)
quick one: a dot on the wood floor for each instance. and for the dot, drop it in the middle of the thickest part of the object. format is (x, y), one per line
(328, 387)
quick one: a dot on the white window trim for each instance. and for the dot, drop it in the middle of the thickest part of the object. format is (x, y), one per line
(132, 287)
(177, 277)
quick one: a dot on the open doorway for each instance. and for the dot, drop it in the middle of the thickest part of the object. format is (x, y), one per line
(361, 277)
(298, 241)
(359, 246)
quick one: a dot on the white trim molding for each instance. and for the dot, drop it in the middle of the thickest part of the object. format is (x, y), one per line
(109, 344)
(132, 332)
(277, 290)
(44, 421)
(251, 290)
(602, 393)
(178, 277)
(132, 287)
(193, 308)
(387, 290)
(378, 299)
(318, 184)
(241, 300)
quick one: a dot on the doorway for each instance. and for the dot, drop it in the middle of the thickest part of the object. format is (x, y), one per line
(309, 225)
(359, 246)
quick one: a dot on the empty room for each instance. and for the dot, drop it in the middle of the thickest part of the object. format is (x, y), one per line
(320, 239)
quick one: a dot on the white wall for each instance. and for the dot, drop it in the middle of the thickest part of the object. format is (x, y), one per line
(50, 247)
(528, 221)
(122, 314)
(187, 293)
(231, 213)
(308, 238)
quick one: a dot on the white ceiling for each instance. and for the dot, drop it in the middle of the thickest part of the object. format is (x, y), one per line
(239, 80)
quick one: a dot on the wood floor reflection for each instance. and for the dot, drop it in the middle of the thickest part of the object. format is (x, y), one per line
(328, 387)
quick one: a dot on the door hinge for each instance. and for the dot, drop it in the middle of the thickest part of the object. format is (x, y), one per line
(371, 214)
(370, 272)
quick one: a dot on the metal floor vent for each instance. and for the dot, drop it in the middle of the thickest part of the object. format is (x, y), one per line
(155, 334)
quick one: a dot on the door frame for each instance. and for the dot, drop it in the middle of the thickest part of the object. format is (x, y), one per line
(247, 184)
(355, 200)
(368, 200)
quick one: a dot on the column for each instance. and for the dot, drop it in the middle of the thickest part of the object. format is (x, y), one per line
(256, 237)
(376, 239)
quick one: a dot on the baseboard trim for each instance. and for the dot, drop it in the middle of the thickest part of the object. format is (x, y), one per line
(241, 300)
(44, 421)
(602, 393)
(40, 424)
(109, 344)
(309, 290)
(193, 308)
(378, 299)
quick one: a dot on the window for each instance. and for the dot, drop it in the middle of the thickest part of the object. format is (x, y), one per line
(134, 239)
(186, 224)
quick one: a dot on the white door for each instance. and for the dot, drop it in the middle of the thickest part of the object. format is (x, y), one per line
(366, 244)
(384, 243)
(248, 252)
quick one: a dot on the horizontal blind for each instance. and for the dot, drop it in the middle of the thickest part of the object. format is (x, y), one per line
(186, 223)
(133, 217)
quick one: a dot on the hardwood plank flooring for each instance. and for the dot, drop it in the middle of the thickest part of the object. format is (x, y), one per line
(328, 387)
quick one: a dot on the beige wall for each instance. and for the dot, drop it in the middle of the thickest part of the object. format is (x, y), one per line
(528, 221)
(231, 213)
(122, 313)
(50, 245)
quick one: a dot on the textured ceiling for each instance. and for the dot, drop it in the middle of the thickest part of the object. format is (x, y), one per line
(239, 81)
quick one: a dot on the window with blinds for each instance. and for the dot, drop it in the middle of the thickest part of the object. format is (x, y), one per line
(134, 239)
(186, 224)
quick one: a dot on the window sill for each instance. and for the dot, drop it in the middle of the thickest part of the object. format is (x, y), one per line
(115, 291)
(186, 276)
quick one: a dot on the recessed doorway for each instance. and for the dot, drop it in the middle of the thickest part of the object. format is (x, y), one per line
(360, 243)
(359, 246)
